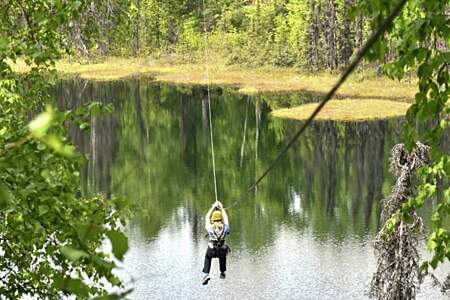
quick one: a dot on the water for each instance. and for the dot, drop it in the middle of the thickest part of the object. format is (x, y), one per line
(305, 233)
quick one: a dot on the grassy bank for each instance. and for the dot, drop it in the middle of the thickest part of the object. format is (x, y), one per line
(245, 80)
(366, 96)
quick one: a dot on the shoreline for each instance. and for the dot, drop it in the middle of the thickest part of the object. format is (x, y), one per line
(358, 99)
(247, 81)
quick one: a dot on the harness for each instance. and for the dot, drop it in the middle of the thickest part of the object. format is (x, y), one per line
(217, 238)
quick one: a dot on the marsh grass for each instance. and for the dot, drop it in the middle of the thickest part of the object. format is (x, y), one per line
(244, 80)
(347, 110)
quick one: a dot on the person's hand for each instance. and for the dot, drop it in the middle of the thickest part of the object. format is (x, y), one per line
(218, 204)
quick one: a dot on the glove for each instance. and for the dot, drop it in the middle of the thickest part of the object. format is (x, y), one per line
(218, 204)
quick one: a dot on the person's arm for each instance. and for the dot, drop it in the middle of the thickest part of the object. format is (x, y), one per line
(208, 218)
(225, 216)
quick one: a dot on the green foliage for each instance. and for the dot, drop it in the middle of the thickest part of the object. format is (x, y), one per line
(51, 234)
(255, 33)
(119, 243)
(421, 37)
(298, 20)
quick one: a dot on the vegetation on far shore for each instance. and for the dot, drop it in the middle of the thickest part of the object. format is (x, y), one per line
(245, 80)
(367, 97)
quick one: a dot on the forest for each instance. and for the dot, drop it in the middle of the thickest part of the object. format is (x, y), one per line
(303, 34)
(95, 174)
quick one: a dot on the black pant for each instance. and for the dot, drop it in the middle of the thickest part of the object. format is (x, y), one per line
(219, 252)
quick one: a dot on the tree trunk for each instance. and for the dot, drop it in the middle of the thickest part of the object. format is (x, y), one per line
(137, 24)
(330, 38)
(75, 37)
(346, 35)
(314, 34)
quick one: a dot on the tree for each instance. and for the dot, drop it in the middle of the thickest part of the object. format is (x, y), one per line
(421, 36)
(50, 233)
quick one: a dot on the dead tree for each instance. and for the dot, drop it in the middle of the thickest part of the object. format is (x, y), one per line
(397, 275)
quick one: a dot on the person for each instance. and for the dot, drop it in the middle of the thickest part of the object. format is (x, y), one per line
(217, 226)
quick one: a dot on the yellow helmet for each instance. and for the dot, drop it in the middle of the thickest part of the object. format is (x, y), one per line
(216, 216)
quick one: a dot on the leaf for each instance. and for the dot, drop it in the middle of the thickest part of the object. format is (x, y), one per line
(87, 232)
(434, 262)
(102, 265)
(55, 143)
(5, 196)
(425, 70)
(75, 286)
(39, 125)
(43, 209)
(119, 242)
(431, 244)
(84, 126)
(3, 43)
(73, 254)
(108, 297)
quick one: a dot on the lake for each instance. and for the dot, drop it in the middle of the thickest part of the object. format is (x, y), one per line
(306, 232)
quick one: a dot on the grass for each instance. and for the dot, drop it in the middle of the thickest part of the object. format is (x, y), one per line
(348, 110)
(364, 97)
(245, 80)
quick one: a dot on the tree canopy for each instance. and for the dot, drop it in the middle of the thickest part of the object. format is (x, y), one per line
(51, 234)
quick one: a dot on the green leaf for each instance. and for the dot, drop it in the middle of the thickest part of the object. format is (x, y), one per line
(18, 217)
(75, 286)
(108, 297)
(3, 43)
(425, 70)
(5, 196)
(43, 209)
(102, 265)
(119, 243)
(434, 262)
(87, 232)
(431, 244)
(73, 254)
(55, 143)
(39, 125)
(84, 126)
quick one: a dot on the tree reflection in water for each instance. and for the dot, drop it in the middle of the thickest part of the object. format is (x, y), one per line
(155, 149)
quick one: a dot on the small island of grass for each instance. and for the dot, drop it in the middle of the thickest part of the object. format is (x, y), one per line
(354, 110)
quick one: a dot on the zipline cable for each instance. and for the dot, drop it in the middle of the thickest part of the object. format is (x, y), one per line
(370, 42)
(209, 98)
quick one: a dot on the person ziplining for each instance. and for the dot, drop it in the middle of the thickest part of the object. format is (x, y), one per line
(216, 222)
(218, 227)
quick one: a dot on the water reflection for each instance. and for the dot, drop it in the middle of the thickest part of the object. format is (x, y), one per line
(312, 216)
(155, 149)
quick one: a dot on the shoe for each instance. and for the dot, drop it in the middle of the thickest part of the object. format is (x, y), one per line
(222, 275)
(206, 279)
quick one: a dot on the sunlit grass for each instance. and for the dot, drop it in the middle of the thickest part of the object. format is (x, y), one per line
(347, 110)
(107, 70)
(245, 80)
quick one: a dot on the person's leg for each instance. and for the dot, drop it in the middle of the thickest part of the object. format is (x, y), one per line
(208, 258)
(223, 260)
(206, 267)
